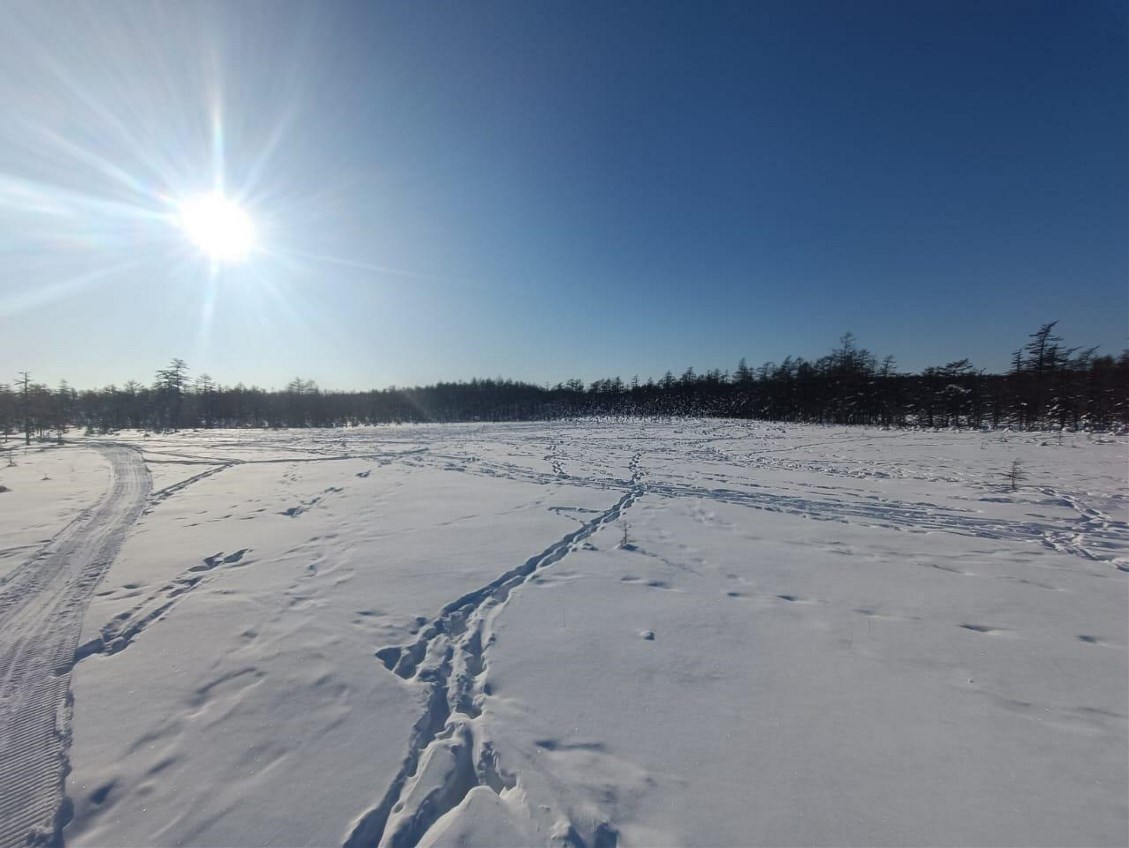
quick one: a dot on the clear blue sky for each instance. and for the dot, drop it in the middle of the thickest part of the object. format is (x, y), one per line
(547, 190)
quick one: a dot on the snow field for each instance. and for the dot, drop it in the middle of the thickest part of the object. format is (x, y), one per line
(436, 635)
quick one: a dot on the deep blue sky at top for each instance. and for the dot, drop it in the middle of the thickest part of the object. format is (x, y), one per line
(546, 190)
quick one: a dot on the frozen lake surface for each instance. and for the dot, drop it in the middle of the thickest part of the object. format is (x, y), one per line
(570, 633)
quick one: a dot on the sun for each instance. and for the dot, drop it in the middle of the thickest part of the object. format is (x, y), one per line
(218, 226)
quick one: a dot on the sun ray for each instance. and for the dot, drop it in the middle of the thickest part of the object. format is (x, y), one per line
(219, 170)
(46, 295)
(89, 157)
(146, 155)
(292, 254)
(207, 312)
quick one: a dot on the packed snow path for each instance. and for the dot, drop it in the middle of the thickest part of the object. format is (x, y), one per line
(42, 604)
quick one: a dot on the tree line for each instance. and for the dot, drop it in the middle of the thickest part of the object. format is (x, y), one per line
(1049, 385)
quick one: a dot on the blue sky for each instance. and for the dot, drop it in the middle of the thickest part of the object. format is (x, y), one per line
(548, 190)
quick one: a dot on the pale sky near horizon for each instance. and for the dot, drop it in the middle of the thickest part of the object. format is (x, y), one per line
(540, 191)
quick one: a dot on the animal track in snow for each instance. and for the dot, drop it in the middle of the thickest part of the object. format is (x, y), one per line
(120, 632)
(445, 758)
(986, 629)
(309, 503)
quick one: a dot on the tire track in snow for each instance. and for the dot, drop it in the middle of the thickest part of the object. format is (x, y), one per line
(445, 759)
(41, 611)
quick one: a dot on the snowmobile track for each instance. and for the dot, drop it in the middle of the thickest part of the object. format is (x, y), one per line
(42, 606)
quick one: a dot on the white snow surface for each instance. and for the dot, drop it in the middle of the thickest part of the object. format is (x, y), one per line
(48, 487)
(603, 633)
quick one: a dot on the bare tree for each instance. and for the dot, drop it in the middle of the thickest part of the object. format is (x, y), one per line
(1041, 357)
(25, 403)
(1015, 474)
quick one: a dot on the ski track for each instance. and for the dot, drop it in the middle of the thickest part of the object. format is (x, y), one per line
(169, 491)
(449, 661)
(1090, 531)
(42, 605)
(224, 464)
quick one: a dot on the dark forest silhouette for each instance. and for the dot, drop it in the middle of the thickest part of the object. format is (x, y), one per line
(1048, 386)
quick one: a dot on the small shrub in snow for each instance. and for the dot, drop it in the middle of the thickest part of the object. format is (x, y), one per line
(1015, 474)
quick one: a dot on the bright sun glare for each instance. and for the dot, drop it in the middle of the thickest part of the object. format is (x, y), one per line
(218, 227)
